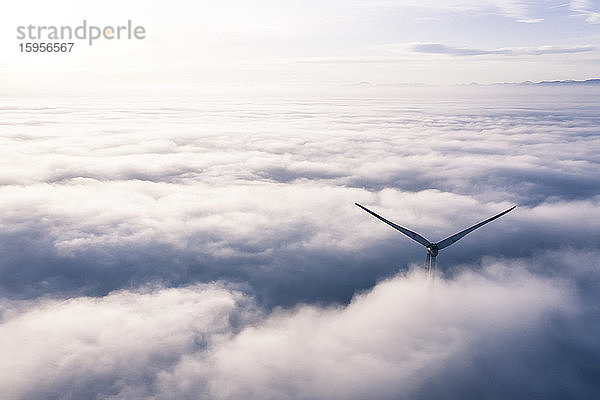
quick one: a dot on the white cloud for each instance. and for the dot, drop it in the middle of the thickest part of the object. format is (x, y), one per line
(383, 344)
(106, 343)
(209, 342)
(198, 179)
(257, 195)
(585, 8)
(516, 9)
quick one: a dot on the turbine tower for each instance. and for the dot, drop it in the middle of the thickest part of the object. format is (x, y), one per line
(433, 248)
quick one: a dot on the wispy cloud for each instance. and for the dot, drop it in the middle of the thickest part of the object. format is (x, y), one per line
(585, 9)
(516, 9)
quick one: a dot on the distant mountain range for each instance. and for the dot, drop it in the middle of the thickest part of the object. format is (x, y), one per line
(560, 83)
(570, 82)
(587, 82)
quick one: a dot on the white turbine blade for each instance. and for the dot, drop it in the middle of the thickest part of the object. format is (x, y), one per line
(448, 241)
(413, 235)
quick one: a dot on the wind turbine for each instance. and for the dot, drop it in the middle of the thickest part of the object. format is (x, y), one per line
(433, 248)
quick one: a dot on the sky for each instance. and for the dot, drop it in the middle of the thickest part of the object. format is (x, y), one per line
(199, 45)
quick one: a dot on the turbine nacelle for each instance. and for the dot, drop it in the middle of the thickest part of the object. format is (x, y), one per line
(433, 248)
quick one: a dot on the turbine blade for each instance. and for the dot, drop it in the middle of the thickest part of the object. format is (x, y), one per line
(454, 238)
(413, 235)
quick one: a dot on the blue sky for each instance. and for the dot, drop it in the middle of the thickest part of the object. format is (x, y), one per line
(267, 42)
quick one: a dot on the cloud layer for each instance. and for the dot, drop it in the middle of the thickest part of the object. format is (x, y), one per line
(188, 248)
(405, 338)
(104, 197)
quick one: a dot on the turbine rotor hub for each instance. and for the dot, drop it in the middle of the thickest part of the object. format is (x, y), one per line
(432, 249)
